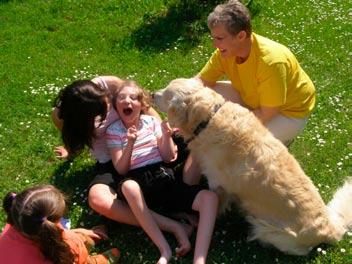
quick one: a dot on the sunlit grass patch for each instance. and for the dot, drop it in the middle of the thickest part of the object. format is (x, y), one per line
(45, 45)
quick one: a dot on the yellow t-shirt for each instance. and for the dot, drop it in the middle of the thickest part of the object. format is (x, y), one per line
(271, 76)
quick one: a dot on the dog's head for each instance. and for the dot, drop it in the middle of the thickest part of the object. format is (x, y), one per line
(187, 112)
(178, 88)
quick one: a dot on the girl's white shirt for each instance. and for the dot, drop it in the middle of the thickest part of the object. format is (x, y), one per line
(99, 148)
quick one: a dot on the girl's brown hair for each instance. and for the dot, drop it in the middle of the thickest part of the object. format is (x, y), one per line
(35, 213)
(79, 104)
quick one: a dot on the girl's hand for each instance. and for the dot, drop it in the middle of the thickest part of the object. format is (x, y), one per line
(132, 134)
(96, 233)
(101, 231)
(166, 128)
(61, 152)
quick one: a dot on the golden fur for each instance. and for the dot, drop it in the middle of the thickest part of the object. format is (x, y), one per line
(243, 162)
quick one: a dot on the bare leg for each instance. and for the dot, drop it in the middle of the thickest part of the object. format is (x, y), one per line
(191, 171)
(206, 203)
(102, 199)
(135, 199)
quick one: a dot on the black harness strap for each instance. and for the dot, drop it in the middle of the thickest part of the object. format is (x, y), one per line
(202, 125)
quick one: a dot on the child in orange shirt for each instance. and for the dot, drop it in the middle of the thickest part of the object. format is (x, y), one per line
(34, 231)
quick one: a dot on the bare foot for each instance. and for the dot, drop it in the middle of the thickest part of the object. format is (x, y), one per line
(184, 245)
(162, 260)
(165, 257)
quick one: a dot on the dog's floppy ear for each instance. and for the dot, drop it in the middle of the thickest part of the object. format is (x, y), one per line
(177, 112)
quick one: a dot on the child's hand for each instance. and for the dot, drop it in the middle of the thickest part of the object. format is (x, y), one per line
(132, 134)
(101, 231)
(61, 152)
(96, 233)
(166, 128)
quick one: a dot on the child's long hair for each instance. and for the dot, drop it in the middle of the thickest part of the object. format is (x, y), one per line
(35, 213)
(143, 95)
(80, 104)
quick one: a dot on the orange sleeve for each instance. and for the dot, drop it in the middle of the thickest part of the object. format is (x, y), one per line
(77, 246)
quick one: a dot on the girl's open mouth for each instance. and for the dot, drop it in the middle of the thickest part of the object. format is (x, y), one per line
(127, 111)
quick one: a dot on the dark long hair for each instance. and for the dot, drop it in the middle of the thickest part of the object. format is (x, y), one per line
(80, 103)
(34, 213)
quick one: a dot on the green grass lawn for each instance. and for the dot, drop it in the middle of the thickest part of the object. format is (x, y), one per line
(44, 45)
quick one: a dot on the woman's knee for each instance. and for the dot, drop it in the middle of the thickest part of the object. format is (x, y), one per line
(100, 197)
(286, 129)
(205, 198)
(130, 188)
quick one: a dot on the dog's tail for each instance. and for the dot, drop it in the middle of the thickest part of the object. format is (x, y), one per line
(283, 239)
(340, 207)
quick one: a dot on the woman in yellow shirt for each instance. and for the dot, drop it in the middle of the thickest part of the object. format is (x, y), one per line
(264, 75)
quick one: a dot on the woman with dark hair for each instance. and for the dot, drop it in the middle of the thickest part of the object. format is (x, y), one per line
(33, 234)
(83, 112)
(79, 107)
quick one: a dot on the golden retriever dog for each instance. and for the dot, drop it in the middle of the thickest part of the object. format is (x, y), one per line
(243, 160)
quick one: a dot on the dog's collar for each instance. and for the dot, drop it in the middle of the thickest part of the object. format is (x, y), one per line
(202, 125)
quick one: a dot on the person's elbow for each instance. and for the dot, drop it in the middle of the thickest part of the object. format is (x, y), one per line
(205, 82)
(169, 157)
(121, 171)
(173, 157)
(56, 119)
(119, 168)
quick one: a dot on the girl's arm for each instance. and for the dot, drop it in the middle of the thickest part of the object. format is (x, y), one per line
(56, 119)
(109, 81)
(92, 233)
(60, 151)
(167, 147)
(121, 158)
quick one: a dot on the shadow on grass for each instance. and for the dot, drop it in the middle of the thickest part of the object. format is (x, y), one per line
(68, 178)
(7, 1)
(73, 180)
(181, 24)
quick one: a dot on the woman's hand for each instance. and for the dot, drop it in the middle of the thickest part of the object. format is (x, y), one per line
(61, 152)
